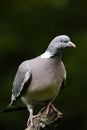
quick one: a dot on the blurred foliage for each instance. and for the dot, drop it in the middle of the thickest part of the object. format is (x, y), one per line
(26, 28)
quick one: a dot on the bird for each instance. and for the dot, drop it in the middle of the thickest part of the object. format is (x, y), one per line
(40, 79)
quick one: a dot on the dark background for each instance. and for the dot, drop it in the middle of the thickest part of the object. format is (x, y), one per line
(26, 28)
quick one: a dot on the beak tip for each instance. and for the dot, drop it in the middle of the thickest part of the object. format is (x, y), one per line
(72, 45)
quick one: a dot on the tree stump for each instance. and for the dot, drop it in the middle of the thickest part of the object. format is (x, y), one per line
(46, 121)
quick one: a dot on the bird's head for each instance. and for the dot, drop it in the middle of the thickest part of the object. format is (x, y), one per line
(58, 44)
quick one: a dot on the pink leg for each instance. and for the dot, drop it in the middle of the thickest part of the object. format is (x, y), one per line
(48, 108)
(31, 116)
(31, 120)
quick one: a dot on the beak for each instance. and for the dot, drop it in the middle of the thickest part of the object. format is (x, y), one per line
(70, 44)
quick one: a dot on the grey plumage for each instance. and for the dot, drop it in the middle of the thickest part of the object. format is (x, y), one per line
(39, 80)
(22, 77)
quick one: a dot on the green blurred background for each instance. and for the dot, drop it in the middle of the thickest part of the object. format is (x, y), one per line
(26, 28)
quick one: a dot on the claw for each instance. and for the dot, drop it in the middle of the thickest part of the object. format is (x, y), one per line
(31, 120)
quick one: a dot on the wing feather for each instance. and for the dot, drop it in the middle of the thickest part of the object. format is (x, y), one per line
(21, 80)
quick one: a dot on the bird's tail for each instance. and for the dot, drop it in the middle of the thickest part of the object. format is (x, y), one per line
(12, 107)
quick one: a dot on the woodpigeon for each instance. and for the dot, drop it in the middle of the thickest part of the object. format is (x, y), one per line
(39, 80)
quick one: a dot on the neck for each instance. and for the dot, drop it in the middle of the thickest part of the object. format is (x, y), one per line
(50, 53)
(46, 55)
(55, 52)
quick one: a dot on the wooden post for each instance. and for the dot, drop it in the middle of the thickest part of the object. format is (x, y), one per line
(46, 121)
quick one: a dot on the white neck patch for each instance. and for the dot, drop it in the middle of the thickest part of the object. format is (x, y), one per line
(46, 55)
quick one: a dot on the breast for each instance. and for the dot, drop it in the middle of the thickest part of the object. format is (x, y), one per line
(47, 77)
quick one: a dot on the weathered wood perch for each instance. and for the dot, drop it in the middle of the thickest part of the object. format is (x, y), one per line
(46, 121)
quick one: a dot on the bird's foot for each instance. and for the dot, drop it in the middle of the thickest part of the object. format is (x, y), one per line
(31, 120)
(50, 105)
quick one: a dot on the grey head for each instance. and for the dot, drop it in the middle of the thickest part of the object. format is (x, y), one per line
(58, 44)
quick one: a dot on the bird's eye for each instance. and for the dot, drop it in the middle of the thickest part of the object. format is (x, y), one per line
(65, 41)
